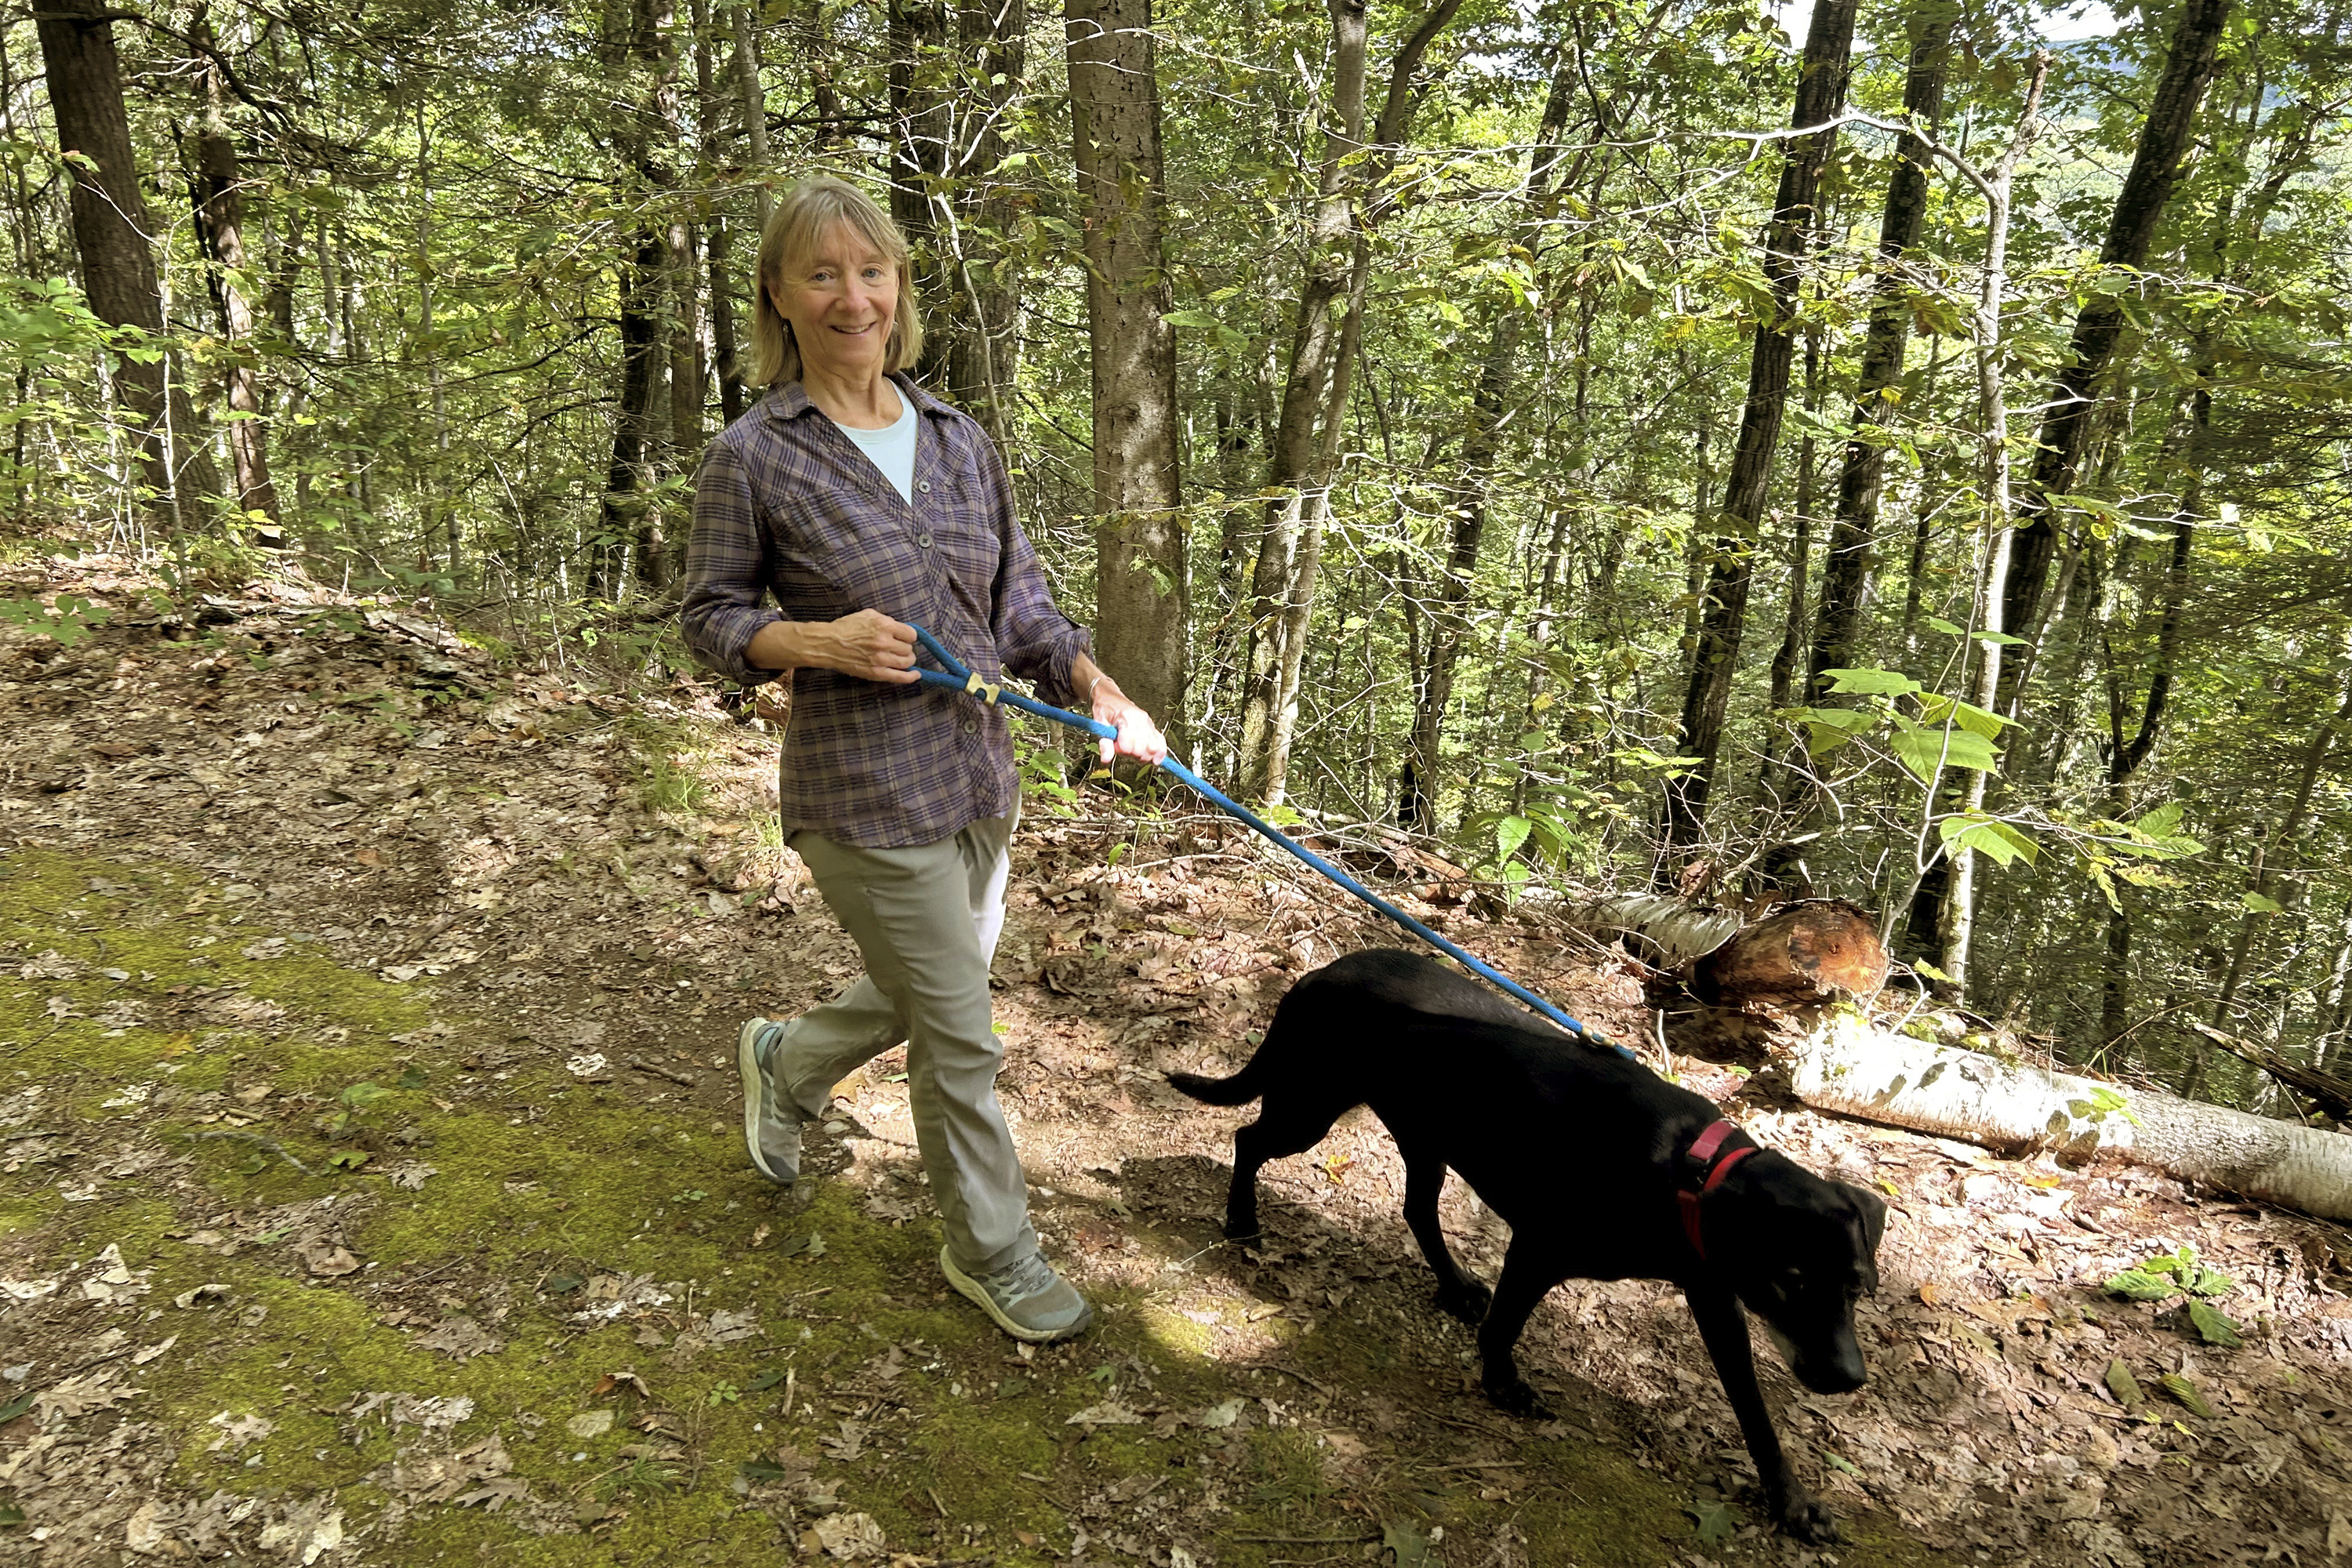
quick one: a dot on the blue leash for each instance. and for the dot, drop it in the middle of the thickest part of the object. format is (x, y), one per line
(960, 679)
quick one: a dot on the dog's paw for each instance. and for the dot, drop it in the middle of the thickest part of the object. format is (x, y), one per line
(1803, 1515)
(1519, 1398)
(1468, 1302)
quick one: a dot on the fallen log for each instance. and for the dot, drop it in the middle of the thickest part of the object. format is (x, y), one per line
(2330, 1093)
(1849, 1066)
(1804, 954)
(1675, 931)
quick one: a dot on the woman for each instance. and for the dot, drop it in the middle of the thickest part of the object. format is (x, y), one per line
(861, 504)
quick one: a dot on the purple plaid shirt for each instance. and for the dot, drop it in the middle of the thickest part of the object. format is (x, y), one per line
(786, 505)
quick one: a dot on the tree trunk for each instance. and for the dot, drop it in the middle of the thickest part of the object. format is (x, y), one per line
(219, 215)
(1820, 94)
(1449, 621)
(1847, 568)
(1143, 594)
(755, 119)
(631, 518)
(1281, 589)
(983, 357)
(1847, 1066)
(2189, 65)
(921, 124)
(111, 231)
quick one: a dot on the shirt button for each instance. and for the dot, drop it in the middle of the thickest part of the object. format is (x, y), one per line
(924, 539)
(971, 726)
(923, 486)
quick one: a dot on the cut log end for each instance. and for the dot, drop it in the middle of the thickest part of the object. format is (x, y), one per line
(1803, 955)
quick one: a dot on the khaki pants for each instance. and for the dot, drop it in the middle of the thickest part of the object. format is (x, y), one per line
(926, 920)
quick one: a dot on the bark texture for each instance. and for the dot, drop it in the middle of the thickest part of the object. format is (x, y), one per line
(1142, 589)
(1820, 92)
(1847, 1066)
(112, 236)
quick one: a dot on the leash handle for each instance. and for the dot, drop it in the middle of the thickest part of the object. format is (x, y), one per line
(960, 679)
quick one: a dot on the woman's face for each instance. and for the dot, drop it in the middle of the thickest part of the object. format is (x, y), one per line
(840, 297)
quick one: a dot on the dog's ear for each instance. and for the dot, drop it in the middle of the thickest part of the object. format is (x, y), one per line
(1874, 1215)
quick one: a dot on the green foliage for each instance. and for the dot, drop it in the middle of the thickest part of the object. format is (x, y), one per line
(2165, 1276)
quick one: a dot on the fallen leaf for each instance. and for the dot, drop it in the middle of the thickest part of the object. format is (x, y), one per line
(2181, 1389)
(1410, 1546)
(461, 1339)
(81, 1395)
(329, 1262)
(1714, 1522)
(1109, 1413)
(590, 1424)
(849, 1536)
(627, 1380)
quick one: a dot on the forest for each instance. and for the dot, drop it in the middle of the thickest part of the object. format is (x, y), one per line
(1894, 452)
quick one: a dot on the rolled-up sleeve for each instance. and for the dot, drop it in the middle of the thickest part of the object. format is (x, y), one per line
(726, 579)
(1035, 641)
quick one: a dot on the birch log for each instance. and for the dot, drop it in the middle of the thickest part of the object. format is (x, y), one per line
(1846, 1065)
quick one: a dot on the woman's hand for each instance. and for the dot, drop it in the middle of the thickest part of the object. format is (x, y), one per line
(1139, 736)
(870, 644)
(867, 644)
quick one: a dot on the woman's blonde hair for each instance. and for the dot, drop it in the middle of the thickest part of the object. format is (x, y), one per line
(803, 216)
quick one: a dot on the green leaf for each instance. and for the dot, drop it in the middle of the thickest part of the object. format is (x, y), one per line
(1873, 683)
(2199, 1281)
(413, 1077)
(2124, 1386)
(2262, 904)
(1509, 833)
(348, 1159)
(1936, 709)
(2181, 1389)
(1988, 835)
(564, 1284)
(762, 1381)
(2215, 1326)
(2141, 1284)
(761, 1470)
(1714, 1521)
(360, 1096)
(1921, 750)
(17, 1406)
(1921, 966)
(1840, 1463)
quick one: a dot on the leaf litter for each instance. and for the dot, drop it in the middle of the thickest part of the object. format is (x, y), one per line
(518, 869)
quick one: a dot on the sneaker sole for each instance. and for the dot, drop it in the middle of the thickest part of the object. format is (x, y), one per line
(969, 1288)
(747, 1067)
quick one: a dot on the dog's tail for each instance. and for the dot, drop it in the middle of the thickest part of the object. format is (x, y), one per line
(1238, 1090)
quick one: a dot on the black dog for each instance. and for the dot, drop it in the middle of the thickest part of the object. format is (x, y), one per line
(1603, 1171)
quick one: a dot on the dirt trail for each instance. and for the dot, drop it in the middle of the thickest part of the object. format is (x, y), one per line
(372, 1195)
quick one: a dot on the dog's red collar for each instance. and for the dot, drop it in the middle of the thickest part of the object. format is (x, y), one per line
(1704, 1165)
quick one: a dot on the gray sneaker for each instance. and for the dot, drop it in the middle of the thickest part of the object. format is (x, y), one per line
(772, 1128)
(1027, 1300)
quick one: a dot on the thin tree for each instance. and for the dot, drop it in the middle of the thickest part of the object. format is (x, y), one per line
(1472, 497)
(217, 192)
(1305, 450)
(2189, 63)
(1820, 92)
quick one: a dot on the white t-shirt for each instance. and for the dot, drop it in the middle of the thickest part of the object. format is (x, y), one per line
(892, 448)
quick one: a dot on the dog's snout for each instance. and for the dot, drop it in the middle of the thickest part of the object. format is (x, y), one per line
(1840, 1379)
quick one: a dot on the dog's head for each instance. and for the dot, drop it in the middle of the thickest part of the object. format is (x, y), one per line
(1800, 1251)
